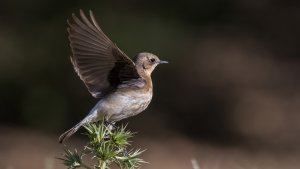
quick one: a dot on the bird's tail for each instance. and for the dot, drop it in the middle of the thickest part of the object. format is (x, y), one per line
(69, 132)
(91, 117)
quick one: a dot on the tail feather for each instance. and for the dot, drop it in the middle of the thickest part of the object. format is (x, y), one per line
(91, 117)
(69, 132)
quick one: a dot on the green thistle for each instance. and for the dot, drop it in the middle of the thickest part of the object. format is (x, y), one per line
(107, 146)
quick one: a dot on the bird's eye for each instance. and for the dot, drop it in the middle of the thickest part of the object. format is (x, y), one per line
(152, 60)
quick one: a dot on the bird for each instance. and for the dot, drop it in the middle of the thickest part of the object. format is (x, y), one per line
(122, 85)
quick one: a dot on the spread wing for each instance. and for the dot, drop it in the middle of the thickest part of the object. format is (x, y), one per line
(100, 64)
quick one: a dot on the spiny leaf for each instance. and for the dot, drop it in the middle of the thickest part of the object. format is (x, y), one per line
(72, 159)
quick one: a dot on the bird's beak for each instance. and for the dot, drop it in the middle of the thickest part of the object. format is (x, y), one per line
(162, 62)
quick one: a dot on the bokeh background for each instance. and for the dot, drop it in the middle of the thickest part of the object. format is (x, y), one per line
(230, 97)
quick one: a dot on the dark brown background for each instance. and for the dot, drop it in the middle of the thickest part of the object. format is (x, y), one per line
(230, 96)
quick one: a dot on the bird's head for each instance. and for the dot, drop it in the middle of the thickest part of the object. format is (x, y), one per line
(146, 62)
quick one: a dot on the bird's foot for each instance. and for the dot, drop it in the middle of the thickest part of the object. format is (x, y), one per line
(125, 152)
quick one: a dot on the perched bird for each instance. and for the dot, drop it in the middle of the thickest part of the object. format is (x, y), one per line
(124, 86)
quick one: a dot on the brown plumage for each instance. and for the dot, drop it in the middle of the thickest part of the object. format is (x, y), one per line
(123, 86)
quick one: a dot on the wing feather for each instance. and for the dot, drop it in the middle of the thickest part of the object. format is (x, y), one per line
(99, 63)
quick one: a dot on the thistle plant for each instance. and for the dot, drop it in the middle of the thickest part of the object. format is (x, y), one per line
(107, 145)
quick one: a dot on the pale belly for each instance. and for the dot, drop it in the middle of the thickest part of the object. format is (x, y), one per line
(120, 105)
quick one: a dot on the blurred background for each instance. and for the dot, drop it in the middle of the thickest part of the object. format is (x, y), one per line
(229, 98)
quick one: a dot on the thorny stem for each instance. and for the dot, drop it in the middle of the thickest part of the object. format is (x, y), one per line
(102, 164)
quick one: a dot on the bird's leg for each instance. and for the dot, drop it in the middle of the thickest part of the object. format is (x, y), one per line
(109, 128)
(110, 125)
